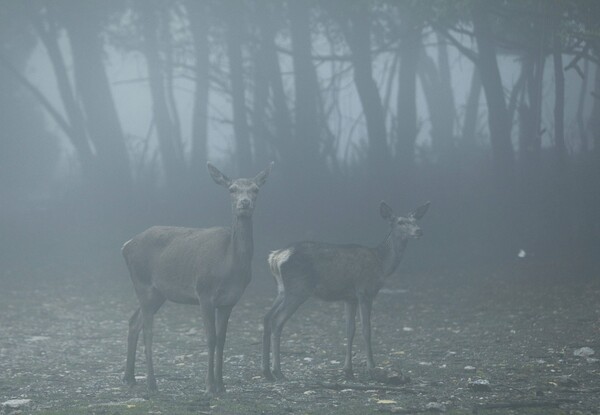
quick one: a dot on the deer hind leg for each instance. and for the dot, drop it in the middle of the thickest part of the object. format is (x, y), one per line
(267, 330)
(365, 305)
(350, 311)
(135, 325)
(291, 301)
(149, 307)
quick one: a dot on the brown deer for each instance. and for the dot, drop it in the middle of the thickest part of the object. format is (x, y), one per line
(353, 274)
(209, 267)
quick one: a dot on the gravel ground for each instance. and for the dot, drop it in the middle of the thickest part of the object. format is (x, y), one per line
(500, 340)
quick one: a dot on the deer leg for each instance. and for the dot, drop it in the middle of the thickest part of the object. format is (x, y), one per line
(365, 319)
(135, 325)
(267, 325)
(208, 316)
(149, 307)
(350, 310)
(288, 306)
(222, 319)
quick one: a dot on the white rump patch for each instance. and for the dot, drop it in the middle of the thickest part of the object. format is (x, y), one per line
(125, 244)
(276, 259)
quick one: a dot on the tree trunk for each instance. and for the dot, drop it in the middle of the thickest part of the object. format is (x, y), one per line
(235, 36)
(503, 154)
(583, 91)
(173, 162)
(358, 36)
(282, 118)
(407, 96)
(594, 122)
(78, 136)
(440, 101)
(199, 24)
(559, 103)
(472, 110)
(83, 26)
(307, 131)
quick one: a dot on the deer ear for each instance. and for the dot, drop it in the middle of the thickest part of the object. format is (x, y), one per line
(385, 211)
(419, 212)
(217, 176)
(261, 177)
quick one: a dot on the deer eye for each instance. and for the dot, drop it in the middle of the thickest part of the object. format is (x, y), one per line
(233, 189)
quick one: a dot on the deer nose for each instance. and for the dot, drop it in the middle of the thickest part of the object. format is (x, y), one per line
(245, 203)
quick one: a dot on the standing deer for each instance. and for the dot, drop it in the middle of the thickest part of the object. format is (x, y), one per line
(210, 267)
(353, 274)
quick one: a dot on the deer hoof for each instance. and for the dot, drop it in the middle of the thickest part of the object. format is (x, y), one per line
(268, 375)
(129, 380)
(278, 375)
(152, 388)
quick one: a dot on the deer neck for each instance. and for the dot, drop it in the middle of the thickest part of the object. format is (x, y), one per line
(242, 245)
(390, 253)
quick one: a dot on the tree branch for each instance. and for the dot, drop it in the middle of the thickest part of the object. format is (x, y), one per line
(60, 120)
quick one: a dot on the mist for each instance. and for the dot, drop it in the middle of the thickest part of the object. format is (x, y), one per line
(111, 110)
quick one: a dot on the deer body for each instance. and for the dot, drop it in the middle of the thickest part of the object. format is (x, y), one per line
(353, 274)
(209, 267)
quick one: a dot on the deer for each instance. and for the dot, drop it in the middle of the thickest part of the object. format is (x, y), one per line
(207, 267)
(353, 274)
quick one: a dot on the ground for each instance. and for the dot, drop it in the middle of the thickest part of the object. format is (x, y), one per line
(517, 326)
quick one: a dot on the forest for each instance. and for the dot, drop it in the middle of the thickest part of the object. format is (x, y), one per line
(488, 109)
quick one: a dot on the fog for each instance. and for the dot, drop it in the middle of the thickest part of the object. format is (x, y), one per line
(110, 111)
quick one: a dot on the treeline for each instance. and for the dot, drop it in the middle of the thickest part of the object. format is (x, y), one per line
(329, 89)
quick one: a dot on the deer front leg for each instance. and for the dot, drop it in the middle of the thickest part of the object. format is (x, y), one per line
(365, 319)
(223, 314)
(350, 309)
(208, 316)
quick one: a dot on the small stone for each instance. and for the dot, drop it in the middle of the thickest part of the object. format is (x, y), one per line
(16, 403)
(480, 385)
(584, 352)
(386, 401)
(470, 368)
(435, 407)
(566, 381)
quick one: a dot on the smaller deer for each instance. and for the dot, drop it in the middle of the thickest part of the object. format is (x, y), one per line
(353, 274)
(209, 267)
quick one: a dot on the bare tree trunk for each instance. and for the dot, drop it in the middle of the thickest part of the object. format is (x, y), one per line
(48, 32)
(440, 101)
(472, 110)
(307, 131)
(594, 122)
(407, 96)
(583, 137)
(358, 36)
(168, 139)
(503, 153)
(83, 26)
(559, 103)
(260, 130)
(282, 119)
(199, 24)
(235, 36)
